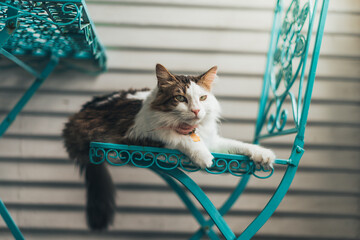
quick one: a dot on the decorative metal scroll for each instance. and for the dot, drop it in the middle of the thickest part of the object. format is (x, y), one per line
(166, 159)
(287, 68)
(51, 27)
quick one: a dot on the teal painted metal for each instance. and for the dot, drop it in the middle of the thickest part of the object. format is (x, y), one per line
(29, 93)
(265, 90)
(300, 113)
(239, 189)
(279, 64)
(17, 61)
(167, 159)
(274, 202)
(52, 27)
(205, 225)
(283, 82)
(9, 26)
(285, 69)
(203, 200)
(10, 222)
(312, 71)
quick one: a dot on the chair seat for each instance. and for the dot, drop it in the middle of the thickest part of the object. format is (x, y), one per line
(168, 159)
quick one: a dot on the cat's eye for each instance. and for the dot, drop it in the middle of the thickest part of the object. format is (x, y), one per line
(203, 98)
(180, 98)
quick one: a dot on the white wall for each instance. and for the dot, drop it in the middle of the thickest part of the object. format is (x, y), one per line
(42, 188)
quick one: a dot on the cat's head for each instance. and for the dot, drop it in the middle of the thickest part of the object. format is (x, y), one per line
(187, 98)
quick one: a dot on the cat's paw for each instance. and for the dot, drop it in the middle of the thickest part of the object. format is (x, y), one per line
(262, 156)
(203, 160)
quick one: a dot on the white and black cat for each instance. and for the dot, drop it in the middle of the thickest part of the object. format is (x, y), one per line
(180, 113)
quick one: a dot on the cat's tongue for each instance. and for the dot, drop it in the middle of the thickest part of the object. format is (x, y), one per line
(185, 128)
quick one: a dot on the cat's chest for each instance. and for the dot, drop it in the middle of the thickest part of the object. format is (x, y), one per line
(208, 134)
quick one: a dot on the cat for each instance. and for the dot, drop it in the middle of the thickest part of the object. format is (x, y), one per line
(180, 113)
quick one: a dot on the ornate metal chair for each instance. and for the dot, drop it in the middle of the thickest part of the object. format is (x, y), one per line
(51, 29)
(283, 83)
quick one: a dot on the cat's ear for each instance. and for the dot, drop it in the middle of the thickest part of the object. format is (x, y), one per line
(165, 78)
(208, 78)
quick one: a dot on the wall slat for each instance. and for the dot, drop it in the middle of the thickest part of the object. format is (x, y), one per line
(206, 18)
(46, 195)
(335, 6)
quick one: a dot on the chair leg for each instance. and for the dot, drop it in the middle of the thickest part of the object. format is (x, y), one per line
(227, 205)
(10, 222)
(28, 94)
(279, 194)
(270, 208)
(205, 225)
(203, 200)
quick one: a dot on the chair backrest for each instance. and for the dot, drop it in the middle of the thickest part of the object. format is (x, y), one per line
(285, 87)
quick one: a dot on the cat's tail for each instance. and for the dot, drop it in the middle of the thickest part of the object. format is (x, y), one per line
(100, 206)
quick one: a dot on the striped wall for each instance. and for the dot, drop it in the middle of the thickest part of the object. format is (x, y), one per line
(45, 194)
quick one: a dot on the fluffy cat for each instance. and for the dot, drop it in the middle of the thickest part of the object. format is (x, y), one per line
(180, 113)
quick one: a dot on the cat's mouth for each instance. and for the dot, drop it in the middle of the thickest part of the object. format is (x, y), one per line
(185, 128)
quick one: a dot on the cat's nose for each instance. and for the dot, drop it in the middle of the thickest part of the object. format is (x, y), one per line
(195, 111)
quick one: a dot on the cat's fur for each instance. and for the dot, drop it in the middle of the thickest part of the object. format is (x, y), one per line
(158, 118)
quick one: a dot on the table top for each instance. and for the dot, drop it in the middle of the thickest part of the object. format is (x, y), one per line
(44, 28)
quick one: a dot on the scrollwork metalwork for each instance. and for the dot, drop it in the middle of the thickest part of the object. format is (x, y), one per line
(287, 67)
(51, 27)
(165, 159)
(69, 11)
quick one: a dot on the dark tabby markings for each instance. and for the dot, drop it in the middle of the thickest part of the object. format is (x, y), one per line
(105, 118)
(108, 118)
(106, 100)
(169, 86)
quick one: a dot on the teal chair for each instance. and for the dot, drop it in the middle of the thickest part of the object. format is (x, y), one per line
(287, 59)
(50, 31)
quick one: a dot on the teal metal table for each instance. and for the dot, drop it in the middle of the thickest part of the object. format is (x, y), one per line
(50, 30)
(287, 87)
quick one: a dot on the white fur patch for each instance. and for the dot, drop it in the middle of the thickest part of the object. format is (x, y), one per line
(109, 99)
(141, 95)
(156, 125)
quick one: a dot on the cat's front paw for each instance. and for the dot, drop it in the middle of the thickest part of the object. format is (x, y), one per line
(203, 160)
(262, 156)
